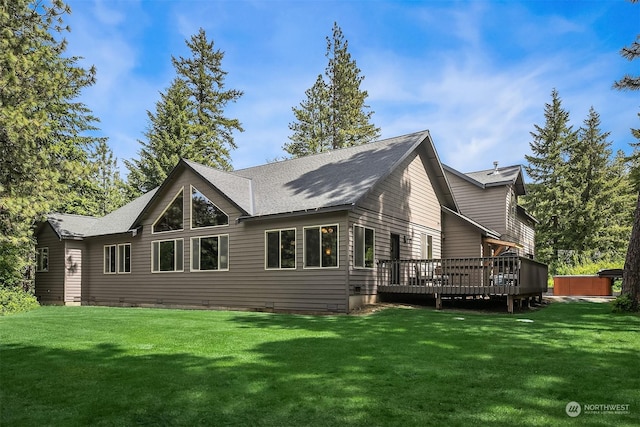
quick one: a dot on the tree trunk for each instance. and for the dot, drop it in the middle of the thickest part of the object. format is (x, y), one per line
(631, 275)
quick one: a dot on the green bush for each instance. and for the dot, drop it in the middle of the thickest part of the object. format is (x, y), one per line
(624, 304)
(15, 300)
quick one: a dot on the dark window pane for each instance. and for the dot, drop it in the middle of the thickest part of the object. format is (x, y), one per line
(330, 246)
(167, 256)
(358, 246)
(172, 218)
(273, 249)
(312, 247)
(204, 213)
(288, 249)
(369, 245)
(209, 253)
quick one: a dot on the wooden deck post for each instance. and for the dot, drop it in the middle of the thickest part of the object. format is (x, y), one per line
(438, 302)
(510, 304)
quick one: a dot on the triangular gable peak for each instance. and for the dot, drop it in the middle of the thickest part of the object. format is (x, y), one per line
(498, 176)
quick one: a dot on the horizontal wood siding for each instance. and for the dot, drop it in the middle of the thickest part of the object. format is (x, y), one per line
(526, 236)
(50, 284)
(461, 240)
(404, 204)
(485, 206)
(247, 284)
(73, 271)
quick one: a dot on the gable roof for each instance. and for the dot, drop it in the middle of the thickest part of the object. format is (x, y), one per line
(333, 180)
(507, 175)
(121, 220)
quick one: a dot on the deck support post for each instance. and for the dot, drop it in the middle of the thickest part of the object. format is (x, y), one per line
(438, 302)
(510, 304)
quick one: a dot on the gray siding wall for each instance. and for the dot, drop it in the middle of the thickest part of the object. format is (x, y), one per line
(461, 240)
(486, 206)
(404, 204)
(247, 284)
(50, 284)
(526, 236)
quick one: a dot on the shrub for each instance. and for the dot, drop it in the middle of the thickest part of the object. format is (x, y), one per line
(624, 304)
(16, 300)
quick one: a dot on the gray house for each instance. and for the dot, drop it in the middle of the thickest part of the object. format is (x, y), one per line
(304, 234)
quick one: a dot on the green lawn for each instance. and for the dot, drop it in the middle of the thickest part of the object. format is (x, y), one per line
(76, 366)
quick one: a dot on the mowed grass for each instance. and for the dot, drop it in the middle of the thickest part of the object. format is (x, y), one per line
(77, 366)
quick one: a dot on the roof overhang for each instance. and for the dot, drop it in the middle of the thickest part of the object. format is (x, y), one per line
(292, 214)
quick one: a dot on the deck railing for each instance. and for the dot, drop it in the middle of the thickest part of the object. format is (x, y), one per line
(501, 275)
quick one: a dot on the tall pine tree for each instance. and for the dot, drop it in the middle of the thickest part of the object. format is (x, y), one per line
(43, 144)
(189, 120)
(547, 168)
(631, 276)
(334, 114)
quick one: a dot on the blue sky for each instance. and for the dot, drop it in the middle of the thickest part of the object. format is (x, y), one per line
(475, 73)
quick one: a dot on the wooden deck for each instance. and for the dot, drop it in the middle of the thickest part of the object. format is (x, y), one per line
(512, 276)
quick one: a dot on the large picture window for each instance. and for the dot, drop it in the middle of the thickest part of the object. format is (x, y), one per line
(321, 246)
(42, 259)
(167, 255)
(172, 218)
(363, 246)
(204, 213)
(280, 248)
(210, 253)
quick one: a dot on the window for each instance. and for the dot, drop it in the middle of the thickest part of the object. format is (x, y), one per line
(124, 258)
(363, 246)
(110, 259)
(167, 255)
(172, 217)
(280, 248)
(120, 263)
(426, 243)
(204, 213)
(42, 259)
(210, 253)
(321, 246)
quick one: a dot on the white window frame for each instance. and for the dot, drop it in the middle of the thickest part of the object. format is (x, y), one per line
(266, 249)
(426, 246)
(304, 246)
(41, 254)
(153, 255)
(120, 266)
(106, 266)
(217, 236)
(153, 226)
(191, 226)
(364, 247)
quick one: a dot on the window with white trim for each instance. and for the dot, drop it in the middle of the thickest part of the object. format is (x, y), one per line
(426, 245)
(110, 260)
(172, 218)
(280, 249)
(167, 255)
(204, 213)
(321, 246)
(117, 258)
(210, 253)
(363, 246)
(124, 258)
(42, 260)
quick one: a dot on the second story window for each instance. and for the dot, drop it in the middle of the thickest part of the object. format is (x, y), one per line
(172, 218)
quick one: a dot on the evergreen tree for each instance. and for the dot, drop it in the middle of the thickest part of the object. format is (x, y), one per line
(589, 188)
(189, 119)
(42, 125)
(335, 114)
(168, 138)
(210, 130)
(631, 276)
(634, 159)
(109, 187)
(547, 167)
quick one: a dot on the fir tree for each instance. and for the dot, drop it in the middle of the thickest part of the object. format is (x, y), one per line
(43, 145)
(109, 186)
(547, 167)
(335, 114)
